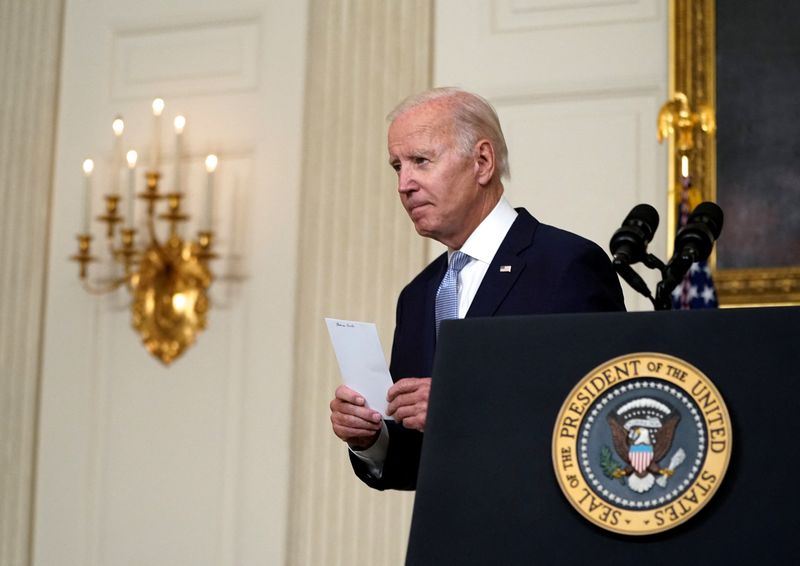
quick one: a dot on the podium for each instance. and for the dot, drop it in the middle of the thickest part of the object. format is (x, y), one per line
(487, 492)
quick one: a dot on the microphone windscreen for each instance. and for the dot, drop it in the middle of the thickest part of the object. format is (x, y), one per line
(710, 214)
(645, 216)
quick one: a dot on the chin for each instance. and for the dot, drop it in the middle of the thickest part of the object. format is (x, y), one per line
(423, 226)
(422, 231)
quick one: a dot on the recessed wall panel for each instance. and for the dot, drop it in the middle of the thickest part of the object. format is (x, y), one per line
(211, 58)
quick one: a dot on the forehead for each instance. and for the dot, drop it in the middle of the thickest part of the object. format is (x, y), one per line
(428, 124)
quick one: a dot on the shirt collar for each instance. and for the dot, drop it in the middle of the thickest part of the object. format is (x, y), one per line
(485, 240)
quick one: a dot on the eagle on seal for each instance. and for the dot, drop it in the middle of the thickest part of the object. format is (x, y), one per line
(642, 431)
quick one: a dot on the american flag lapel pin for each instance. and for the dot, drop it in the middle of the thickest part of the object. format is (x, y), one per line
(505, 269)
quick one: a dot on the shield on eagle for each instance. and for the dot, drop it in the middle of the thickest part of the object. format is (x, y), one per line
(640, 457)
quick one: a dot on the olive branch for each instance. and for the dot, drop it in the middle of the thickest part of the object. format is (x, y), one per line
(609, 465)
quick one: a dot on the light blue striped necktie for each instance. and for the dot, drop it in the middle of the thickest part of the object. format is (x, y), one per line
(447, 295)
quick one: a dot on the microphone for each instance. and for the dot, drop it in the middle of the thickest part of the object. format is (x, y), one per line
(693, 243)
(629, 243)
(704, 225)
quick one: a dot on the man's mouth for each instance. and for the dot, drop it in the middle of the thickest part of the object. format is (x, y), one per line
(417, 209)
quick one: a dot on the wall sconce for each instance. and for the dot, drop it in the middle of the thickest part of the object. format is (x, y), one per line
(168, 278)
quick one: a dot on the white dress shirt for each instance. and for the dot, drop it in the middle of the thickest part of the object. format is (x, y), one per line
(481, 246)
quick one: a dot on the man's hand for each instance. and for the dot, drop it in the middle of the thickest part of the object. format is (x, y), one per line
(354, 422)
(408, 401)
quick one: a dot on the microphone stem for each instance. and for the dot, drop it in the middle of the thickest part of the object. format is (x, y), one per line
(673, 274)
(632, 278)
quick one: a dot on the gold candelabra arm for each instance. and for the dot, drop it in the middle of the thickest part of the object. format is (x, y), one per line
(205, 239)
(128, 253)
(84, 256)
(174, 215)
(151, 194)
(109, 286)
(111, 216)
(125, 253)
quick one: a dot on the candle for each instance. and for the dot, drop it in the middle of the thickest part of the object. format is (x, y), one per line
(180, 123)
(131, 156)
(211, 167)
(118, 126)
(684, 166)
(155, 148)
(88, 167)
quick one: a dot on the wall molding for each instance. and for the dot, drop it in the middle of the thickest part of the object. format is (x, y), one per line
(526, 94)
(197, 58)
(533, 15)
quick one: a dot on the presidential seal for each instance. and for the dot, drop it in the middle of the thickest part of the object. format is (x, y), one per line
(641, 443)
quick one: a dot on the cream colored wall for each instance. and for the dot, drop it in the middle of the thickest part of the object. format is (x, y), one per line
(139, 464)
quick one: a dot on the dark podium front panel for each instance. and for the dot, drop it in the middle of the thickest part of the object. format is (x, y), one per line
(487, 492)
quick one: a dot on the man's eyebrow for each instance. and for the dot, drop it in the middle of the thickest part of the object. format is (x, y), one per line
(426, 153)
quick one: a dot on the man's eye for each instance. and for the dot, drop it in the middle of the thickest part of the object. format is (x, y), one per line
(420, 160)
(395, 166)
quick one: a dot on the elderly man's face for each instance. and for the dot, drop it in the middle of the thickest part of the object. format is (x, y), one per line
(437, 183)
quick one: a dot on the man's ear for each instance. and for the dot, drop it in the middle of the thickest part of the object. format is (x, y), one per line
(484, 161)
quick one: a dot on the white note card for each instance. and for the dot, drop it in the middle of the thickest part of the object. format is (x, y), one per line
(361, 361)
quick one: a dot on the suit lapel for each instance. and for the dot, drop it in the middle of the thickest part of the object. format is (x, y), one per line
(506, 267)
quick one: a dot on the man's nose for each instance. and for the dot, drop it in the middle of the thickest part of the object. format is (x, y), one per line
(405, 181)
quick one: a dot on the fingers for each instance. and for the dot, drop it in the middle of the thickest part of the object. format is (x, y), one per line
(413, 417)
(407, 412)
(407, 385)
(355, 422)
(415, 423)
(349, 434)
(346, 394)
(353, 415)
(352, 420)
(408, 402)
(408, 391)
(351, 429)
(349, 402)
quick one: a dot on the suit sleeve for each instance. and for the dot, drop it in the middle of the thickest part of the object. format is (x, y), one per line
(405, 445)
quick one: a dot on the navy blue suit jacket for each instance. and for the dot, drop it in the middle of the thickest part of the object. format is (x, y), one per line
(552, 271)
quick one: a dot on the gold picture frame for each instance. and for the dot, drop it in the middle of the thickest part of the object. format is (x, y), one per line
(692, 80)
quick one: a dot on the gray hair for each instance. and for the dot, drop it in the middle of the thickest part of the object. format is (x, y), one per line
(474, 118)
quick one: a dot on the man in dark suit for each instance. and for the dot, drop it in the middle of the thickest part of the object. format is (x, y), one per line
(448, 150)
